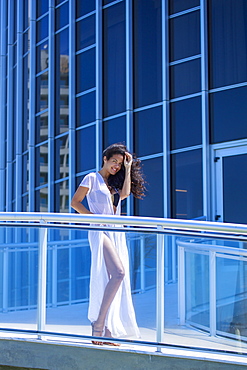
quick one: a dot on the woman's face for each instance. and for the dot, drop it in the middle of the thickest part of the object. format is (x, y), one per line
(113, 165)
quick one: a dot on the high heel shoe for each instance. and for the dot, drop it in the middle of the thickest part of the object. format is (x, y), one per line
(94, 333)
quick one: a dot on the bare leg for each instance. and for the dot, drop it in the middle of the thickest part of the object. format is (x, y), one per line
(115, 271)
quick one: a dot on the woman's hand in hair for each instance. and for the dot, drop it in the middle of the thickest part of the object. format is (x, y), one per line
(128, 160)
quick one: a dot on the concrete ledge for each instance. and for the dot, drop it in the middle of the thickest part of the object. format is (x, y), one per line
(32, 355)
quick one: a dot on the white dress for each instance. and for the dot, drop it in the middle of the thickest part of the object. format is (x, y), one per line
(120, 320)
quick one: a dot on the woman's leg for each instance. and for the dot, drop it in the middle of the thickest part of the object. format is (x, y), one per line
(116, 273)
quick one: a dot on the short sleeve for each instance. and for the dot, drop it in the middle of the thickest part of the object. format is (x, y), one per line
(87, 182)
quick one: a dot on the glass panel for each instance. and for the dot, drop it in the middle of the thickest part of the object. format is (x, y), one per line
(57, 2)
(41, 200)
(176, 6)
(228, 120)
(152, 204)
(234, 192)
(41, 128)
(26, 42)
(227, 42)
(84, 7)
(197, 288)
(25, 14)
(62, 197)
(114, 131)
(42, 7)
(42, 57)
(85, 67)
(62, 81)
(187, 184)
(62, 157)
(42, 29)
(85, 32)
(147, 52)
(185, 36)
(186, 123)
(190, 74)
(41, 164)
(62, 16)
(114, 51)
(144, 121)
(85, 149)
(42, 92)
(231, 296)
(86, 109)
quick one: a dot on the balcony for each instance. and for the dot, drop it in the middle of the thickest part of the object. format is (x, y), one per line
(188, 282)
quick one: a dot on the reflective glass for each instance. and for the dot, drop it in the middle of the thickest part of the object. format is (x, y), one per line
(144, 121)
(176, 6)
(42, 57)
(85, 32)
(62, 197)
(85, 68)
(186, 123)
(85, 109)
(227, 42)
(84, 7)
(114, 131)
(42, 92)
(152, 204)
(41, 127)
(41, 165)
(61, 157)
(185, 36)
(85, 149)
(25, 203)
(26, 42)
(197, 288)
(62, 16)
(235, 200)
(228, 115)
(57, 2)
(42, 29)
(147, 52)
(41, 200)
(231, 297)
(187, 184)
(62, 81)
(25, 14)
(114, 51)
(190, 74)
(42, 7)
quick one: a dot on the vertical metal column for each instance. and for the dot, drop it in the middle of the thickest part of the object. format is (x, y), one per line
(42, 262)
(212, 292)
(72, 103)
(205, 119)
(51, 106)
(3, 96)
(99, 78)
(181, 285)
(129, 87)
(160, 294)
(142, 262)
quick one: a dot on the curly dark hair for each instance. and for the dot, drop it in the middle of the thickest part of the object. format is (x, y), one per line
(137, 178)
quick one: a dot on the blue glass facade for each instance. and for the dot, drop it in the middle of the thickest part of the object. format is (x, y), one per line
(168, 78)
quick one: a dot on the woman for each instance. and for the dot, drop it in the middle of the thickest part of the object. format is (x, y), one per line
(111, 310)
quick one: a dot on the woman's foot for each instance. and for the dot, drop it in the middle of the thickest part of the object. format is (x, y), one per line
(108, 335)
(96, 332)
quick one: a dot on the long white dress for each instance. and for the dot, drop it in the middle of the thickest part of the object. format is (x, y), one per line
(120, 320)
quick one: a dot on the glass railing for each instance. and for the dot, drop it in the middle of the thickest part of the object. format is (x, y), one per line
(188, 279)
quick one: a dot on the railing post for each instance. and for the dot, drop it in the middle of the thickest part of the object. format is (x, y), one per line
(181, 285)
(212, 292)
(42, 262)
(160, 294)
(142, 263)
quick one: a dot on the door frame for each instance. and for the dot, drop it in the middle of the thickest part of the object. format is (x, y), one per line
(219, 151)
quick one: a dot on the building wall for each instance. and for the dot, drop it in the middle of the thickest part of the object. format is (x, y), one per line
(168, 78)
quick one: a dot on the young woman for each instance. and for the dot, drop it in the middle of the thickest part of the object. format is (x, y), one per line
(111, 310)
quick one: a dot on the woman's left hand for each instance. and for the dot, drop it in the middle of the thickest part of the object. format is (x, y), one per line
(128, 160)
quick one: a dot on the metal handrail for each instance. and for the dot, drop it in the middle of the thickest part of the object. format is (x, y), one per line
(166, 224)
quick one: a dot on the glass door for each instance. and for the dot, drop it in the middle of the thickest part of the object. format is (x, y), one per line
(231, 184)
